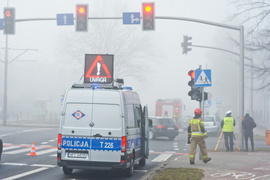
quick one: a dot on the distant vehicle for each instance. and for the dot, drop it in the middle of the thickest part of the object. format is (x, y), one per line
(185, 121)
(163, 127)
(212, 124)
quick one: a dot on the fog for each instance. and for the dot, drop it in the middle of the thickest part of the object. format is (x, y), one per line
(38, 78)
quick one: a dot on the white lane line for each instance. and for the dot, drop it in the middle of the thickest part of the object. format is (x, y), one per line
(10, 147)
(52, 140)
(20, 150)
(45, 151)
(44, 143)
(25, 174)
(14, 164)
(162, 158)
(43, 165)
(54, 155)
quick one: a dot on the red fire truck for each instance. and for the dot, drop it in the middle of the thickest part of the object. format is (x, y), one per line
(169, 108)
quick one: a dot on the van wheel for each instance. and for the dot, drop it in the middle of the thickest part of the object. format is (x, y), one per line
(151, 135)
(67, 170)
(142, 162)
(129, 171)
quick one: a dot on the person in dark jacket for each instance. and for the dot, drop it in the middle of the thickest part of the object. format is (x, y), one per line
(248, 124)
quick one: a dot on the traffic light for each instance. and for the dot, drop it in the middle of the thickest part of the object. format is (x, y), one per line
(9, 21)
(81, 17)
(148, 19)
(185, 44)
(195, 92)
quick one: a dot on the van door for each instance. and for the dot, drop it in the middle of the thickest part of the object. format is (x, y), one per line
(145, 133)
(106, 132)
(76, 132)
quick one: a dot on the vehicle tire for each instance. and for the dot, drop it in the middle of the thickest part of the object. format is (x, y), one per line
(1, 148)
(151, 135)
(129, 171)
(142, 162)
(67, 170)
(171, 137)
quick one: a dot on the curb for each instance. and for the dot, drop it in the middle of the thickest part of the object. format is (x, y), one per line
(150, 175)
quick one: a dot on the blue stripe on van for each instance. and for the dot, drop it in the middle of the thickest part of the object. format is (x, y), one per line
(137, 142)
(75, 143)
(83, 143)
(106, 144)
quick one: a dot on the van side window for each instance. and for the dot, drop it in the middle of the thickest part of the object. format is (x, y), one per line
(130, 116)
(138, 116)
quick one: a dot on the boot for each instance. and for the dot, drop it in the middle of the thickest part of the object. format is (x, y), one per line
(192, 162)
(205, 161)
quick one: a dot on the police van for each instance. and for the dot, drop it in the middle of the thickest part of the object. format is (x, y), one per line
(102, 127)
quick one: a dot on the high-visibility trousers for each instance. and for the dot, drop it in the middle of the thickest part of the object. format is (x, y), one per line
(193, 145)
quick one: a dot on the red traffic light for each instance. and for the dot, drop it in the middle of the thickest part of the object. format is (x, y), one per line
(191, 73)
(148, 8)
(8, 14)
(81, 10)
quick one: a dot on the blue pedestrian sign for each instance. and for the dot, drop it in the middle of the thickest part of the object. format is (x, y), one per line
(207, 103)
(203, 78)
(65, 19)
(1, 24)
(131, 18)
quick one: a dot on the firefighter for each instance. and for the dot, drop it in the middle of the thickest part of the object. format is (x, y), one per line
(197, 135)
(165, 113)
(228, 124)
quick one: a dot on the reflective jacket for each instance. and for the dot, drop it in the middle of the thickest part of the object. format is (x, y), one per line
(228, 124)
(196, 128)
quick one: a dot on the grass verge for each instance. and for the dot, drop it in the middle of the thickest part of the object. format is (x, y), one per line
(180, 174)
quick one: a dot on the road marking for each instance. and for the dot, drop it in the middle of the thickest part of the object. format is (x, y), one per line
(25, 174)
(14, 164)
(162, 158)
(10, 147)
(45, 151)
(144, 171)
(43, 165)
(20, 150)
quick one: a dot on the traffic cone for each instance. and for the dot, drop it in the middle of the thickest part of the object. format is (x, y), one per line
(33, 150)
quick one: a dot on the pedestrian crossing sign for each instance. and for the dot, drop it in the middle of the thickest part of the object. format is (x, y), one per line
(203, 78)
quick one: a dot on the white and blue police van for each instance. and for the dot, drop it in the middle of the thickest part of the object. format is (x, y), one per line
(102, 127)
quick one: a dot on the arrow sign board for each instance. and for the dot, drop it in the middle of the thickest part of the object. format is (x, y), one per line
(64, 19)
(131, 18)
(1, 24)
(98, 68)
(203, 78)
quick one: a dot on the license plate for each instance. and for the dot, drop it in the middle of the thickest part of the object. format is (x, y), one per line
(170, 128)
(76, 155)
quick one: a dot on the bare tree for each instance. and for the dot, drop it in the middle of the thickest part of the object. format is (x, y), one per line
(133, 49)
(255, 14)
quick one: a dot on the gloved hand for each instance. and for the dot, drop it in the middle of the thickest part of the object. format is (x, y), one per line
(188, 140)
(205, 136)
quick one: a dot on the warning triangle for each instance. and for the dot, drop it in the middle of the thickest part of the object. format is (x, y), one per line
(101, 62)
(203, 79)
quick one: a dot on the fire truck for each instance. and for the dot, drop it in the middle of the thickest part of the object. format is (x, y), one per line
(169, 108)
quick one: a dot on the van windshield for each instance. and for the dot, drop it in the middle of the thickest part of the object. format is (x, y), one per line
(208, 119)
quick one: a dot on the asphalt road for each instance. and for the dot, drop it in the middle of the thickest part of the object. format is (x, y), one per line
(17, 164)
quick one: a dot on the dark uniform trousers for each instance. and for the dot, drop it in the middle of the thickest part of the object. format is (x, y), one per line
(228, 136)
(249, 134)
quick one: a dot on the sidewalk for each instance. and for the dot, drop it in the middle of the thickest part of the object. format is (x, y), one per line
(226, 165)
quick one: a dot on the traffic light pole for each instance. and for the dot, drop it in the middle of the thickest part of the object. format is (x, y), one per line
(5, 84)
(241, 56)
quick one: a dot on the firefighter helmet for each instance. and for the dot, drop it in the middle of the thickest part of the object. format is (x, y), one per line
(198, 111)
